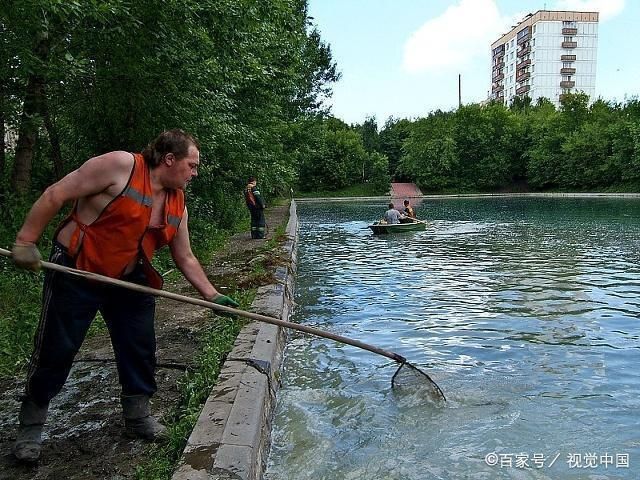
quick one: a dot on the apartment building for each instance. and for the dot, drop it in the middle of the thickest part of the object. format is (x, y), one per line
(547, 54)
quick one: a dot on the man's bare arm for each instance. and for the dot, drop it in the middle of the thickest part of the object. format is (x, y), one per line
(188, 264)
(96, 175)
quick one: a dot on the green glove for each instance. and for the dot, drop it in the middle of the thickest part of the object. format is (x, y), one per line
(26, 256)
(225, 301)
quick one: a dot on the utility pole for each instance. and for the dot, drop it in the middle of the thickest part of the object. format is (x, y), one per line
(459, 90)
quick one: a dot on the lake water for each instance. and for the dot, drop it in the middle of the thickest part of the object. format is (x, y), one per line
(525, 311)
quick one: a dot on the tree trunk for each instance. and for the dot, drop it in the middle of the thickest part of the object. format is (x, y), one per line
(54, 140)
(3, 146)
(27, 136)
(28, 130)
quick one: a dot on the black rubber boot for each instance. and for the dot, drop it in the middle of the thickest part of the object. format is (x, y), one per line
(29, 441)
(138, 422)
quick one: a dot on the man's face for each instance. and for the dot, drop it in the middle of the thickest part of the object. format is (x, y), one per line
(186, 168)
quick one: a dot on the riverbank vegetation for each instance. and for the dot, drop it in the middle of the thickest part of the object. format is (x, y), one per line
(579, 147)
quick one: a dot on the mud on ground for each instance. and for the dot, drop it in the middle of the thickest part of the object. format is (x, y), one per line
(83, 435)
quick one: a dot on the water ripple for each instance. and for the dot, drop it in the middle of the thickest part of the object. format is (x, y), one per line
(526, 312)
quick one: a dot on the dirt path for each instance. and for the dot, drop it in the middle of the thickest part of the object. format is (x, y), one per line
(83, 436)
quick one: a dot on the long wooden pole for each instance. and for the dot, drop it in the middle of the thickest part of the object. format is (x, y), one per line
(203, 303)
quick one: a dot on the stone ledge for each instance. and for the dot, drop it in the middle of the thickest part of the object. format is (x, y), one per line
(231, 437)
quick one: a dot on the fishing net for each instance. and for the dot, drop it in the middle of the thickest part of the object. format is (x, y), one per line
(411, 379)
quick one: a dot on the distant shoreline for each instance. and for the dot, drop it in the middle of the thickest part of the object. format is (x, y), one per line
(471, 195)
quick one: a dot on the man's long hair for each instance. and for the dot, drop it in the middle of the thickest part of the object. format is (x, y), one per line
(174, 141)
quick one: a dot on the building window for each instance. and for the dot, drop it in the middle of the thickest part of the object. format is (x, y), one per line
(567, 64)
(566, 78)
(569, 24)
(568, 39)
(523, 33)
(534, 29)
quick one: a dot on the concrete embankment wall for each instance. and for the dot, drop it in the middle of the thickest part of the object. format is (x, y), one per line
(231, 437)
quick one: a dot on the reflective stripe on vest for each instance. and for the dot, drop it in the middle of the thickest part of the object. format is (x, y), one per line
(121, 233)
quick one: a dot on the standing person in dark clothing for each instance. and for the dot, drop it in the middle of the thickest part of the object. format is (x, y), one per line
(126, 206)
(256, 206)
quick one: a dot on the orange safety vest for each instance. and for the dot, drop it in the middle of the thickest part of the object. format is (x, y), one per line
(122, 233)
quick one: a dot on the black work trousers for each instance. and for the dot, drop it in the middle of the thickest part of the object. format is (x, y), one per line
(69, 306)
(258, 223)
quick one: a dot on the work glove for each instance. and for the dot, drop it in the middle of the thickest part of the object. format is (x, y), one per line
(26, 256)
(225, 301)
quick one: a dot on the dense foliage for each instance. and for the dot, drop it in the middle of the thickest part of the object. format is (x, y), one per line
(579, 147)
(248, 77)
(483, 148)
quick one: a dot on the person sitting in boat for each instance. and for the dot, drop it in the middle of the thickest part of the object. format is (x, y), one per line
(409, 215)
(392, 215)
(408, 210)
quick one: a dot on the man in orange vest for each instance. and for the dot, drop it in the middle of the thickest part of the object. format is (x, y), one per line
(126, 207)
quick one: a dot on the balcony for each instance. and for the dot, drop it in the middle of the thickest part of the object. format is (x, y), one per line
(567, 71)
(522, 76)
(524, 63)
(567, 84)
(523, 39)
(523, 89)
(569, 44)
(497, 89)
(497, 78)
(523, 51)
(569, 31)
(568, 58)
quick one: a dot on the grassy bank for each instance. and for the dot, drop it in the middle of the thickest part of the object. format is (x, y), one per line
(216, 341)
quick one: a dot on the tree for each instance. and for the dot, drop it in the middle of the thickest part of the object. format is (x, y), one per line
(391, 138)
(379, 175)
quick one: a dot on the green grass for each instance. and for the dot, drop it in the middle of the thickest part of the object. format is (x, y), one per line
(216, 341)
(194, 387)
(20, 293)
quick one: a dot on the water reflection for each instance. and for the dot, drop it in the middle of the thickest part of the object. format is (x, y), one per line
(525, 312)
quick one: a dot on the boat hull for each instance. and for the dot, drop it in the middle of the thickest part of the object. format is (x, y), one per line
(384, 228)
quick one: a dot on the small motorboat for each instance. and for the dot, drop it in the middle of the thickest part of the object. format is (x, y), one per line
(414, 226)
